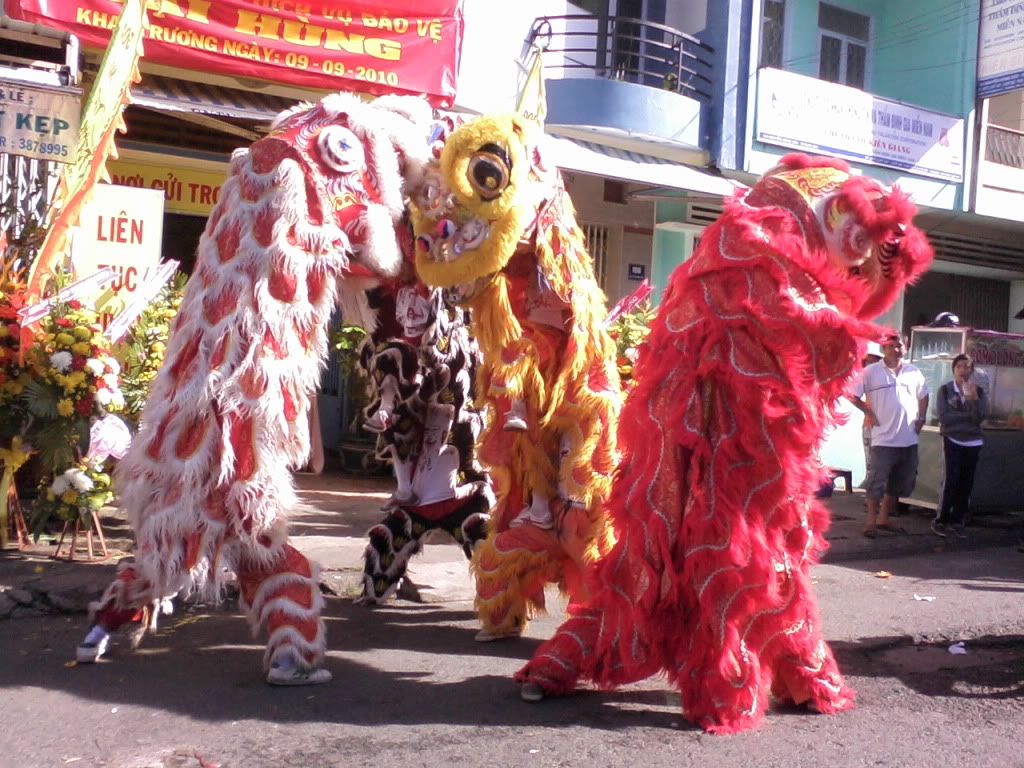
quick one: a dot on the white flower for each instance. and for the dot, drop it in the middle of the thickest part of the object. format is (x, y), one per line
(117, 398)
(94, 366)
(60, 484)
(632, 354)
(104, 396)
(61, 361)
(112, 364)
(78, 479)
(110, 381)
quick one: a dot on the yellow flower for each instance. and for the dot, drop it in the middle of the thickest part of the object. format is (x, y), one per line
(14, 387)
(81, 348)
(158, 348)
(65, 407)
(69, 497)
(82, 333)
(50, 495)
(76, 378)
(4, 331)
(65, 339)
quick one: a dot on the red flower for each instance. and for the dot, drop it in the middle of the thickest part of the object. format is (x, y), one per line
(75, 304)
(78, 362)
(63, 322)
(84, 406)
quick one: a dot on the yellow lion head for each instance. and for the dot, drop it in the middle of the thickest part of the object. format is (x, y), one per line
(472, 213)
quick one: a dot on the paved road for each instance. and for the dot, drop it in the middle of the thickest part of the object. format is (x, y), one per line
(411, 687)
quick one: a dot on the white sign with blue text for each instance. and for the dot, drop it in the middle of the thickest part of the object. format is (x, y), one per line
(39, 122)
(1000, 47)
(818, 116)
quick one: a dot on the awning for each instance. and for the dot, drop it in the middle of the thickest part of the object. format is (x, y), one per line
(169, 94)
(613, 163)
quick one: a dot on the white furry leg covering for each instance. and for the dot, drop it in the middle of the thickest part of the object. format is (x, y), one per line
(284, 597)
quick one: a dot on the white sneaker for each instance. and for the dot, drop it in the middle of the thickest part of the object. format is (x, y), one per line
(515, 424)
(295, 676)
(88, 653)
(486, 636)
(378, 422)
(531, 692)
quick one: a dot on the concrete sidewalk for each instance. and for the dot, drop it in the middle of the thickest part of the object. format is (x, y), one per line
(337, 509)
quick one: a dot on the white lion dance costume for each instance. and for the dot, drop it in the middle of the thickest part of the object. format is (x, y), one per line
(713, 507)
(309, 215)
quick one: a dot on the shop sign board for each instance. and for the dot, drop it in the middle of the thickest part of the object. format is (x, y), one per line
(397, 46)
(39, 122)
(120, 228)
(822, 117)
(185, 190)
(1000, 47)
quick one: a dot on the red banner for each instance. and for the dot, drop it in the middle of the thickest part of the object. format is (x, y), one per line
(395, 46)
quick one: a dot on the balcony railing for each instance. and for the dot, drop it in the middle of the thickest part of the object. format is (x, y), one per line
(621, 48)
(1005, 146)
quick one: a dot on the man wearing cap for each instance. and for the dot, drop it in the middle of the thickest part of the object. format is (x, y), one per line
(893, 395)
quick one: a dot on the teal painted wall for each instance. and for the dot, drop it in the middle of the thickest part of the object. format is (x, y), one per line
(671, 248)
(673, 243)
(922, 51)
(925, 53)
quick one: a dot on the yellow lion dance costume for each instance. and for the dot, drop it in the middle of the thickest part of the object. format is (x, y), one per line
(497, 229)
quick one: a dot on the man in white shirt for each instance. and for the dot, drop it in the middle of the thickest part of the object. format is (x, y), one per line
(893, 395)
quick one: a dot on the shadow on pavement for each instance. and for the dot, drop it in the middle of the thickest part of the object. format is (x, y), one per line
(988, 667)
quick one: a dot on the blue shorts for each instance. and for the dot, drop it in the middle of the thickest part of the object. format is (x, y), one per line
(893, 471)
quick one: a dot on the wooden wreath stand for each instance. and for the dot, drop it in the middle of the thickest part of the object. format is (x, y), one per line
(77, 528)
(14, 526)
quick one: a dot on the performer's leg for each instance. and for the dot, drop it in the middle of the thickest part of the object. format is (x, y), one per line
(392, 543)
(802, 666)
(126, 600)
(557, 664)
(512, 569)
(282, 594)
(381, 419)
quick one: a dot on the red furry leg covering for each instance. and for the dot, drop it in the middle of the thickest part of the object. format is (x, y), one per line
(801, 665)
(607, 640)
(511, 570)
(284, 596)
(124, 601)
(761, 634)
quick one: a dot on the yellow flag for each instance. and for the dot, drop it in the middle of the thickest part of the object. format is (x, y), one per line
(101, 119)
(533, 101)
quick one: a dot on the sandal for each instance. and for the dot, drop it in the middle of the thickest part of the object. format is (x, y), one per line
(890, 528)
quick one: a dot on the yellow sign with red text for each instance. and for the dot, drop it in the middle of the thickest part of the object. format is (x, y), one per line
(185, 190)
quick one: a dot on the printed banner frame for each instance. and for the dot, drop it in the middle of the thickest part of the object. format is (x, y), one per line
(400, 46)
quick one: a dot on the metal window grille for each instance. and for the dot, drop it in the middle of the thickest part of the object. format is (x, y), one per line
(26, 189)
(596, 239)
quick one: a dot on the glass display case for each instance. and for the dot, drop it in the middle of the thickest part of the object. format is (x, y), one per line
(998, 367)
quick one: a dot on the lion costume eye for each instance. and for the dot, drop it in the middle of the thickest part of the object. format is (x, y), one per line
(341, 149)
(488, 171)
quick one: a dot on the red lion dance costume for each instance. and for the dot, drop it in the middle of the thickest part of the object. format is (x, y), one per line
(496, 228)
(308, 217)
(713, 507)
